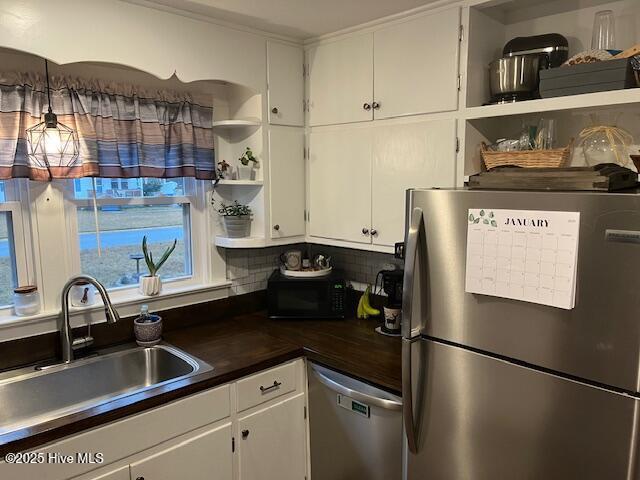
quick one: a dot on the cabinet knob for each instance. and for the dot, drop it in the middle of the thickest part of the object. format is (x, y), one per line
(365, 231)
(274, 110)
(276, 227)
(375, 105)
(139, 478)
(374, 232)
(367, 106)
(245, 433)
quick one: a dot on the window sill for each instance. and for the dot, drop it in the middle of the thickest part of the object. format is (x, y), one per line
(127, 304)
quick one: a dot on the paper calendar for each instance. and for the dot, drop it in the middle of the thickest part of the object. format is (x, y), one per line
(524, 255)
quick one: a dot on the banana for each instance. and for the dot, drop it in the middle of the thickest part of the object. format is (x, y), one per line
(368, 309)
(361, 312)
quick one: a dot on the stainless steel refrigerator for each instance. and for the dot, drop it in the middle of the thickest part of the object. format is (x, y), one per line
(495, 388)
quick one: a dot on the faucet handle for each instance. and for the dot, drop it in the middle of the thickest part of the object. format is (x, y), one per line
(82, 342)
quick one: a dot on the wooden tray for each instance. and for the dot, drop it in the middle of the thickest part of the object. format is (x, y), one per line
(607, 177)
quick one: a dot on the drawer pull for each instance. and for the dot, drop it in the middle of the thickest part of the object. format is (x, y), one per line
(276, 385)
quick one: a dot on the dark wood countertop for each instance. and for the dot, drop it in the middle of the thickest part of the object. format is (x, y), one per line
(351, 346)
(235, 347)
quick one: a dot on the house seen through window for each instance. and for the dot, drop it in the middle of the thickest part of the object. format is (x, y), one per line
(110, 236)
(12, 245)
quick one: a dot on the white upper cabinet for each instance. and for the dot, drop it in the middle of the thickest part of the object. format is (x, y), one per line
(341, 81)
(286, 181)
(285, 84)
(406, 68)
(340, 184)
(416, 65)
(420, 155)
(203, 457)
(272, 443)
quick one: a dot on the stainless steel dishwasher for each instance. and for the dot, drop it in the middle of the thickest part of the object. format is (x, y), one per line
(356, 429)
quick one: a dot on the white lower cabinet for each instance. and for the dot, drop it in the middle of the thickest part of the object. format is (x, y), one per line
(272, 442)
(121, 473)
(195, 438)
(203, 457)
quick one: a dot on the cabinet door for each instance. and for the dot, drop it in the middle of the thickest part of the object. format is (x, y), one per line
(340, 184)
(272, 443)
(286, 84)
(416, 65)
(121, 473)
(420, 155)
(203, 457)
(341, 81)
(286, 181)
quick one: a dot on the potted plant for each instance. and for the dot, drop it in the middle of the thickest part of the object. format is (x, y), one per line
(236, 218)
(245, 170)
(147, 328)
(224, 171)
(150, 284)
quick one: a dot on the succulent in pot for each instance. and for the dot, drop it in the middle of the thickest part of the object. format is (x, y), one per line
(236, 218)
(247, 163)
(151, 284)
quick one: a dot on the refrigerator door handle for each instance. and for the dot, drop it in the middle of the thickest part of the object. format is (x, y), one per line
(408, 416)
(415, 233)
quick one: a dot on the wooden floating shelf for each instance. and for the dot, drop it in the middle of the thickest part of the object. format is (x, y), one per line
(236, 124)
(246, 242)
(241, 183)
(571, 102)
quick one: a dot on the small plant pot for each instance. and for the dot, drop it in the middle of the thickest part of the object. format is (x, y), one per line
(148, 333)
(237, 226)
(245, 172)
(150, 286)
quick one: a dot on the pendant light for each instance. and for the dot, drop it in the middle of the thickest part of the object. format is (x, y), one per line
(51, 143)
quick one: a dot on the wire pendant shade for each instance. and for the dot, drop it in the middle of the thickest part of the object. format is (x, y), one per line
(56, 146)
(51, 143)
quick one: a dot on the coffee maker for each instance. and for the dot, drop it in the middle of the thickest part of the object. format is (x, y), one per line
(392, 286)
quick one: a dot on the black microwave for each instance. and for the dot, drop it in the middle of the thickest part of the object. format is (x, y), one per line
(321, 297)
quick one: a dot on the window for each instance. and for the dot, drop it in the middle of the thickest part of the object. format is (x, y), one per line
(13, 257)
(126, 210)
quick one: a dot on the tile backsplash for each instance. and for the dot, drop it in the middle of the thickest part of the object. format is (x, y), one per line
(249, 269)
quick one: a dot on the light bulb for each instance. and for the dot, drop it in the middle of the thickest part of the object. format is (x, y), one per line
(52, 143)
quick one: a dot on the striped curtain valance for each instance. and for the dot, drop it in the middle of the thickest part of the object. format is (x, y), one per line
(124, 131)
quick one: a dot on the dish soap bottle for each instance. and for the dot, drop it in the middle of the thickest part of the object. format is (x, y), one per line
(147, 328)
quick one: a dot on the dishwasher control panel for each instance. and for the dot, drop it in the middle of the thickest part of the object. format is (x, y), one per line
(354, 406)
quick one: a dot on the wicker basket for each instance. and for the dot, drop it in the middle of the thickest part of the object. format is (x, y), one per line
(556, 158)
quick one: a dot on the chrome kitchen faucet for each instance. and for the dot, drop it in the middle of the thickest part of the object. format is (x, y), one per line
(67, 342)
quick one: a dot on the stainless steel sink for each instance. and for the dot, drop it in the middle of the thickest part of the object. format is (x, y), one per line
(29, 396)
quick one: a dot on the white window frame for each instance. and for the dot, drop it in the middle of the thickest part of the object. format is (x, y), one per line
(16, 204)
(196, 226)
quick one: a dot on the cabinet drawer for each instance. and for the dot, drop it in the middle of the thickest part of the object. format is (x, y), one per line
(264, 386)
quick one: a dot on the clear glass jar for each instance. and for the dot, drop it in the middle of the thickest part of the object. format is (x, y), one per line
(606, 145)
(26, 300)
